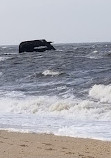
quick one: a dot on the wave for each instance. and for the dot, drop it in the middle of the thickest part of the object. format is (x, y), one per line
(101, 92)
(98, 54)
(95, 51)
(51, 73)
(94, 55)
(4, 58)
(94, 130)
(44, 73)
(95, 107)
(3, 47)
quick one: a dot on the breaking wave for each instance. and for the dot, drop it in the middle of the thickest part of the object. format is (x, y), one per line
(95, 107)
(101, 92)
(3, 58)
(51, 73)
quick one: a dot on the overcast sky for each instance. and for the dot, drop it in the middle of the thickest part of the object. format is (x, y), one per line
(60, 21)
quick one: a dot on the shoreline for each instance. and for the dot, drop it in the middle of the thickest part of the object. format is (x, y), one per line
(32, 145)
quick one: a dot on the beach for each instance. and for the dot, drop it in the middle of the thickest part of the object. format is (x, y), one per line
(31, 145)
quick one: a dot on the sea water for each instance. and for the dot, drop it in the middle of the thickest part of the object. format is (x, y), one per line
(64, 92)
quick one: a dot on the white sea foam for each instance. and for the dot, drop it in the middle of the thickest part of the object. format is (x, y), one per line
(4, 58)
(89, 118)
(95, 51)
(101, 93)
(96, 107)
(5, 104)
(16, 130)
(3, 47)
(91, 130)
(51, 73)
(50, 124)
(94, 55)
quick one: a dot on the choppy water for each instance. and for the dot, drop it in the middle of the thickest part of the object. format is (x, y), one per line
(64, 92)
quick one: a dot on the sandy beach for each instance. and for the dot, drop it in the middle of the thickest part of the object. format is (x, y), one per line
(20, 145)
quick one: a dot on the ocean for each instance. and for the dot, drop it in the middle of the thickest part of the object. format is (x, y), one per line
(65, 92)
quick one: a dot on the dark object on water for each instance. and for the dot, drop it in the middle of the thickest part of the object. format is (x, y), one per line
(35, 45)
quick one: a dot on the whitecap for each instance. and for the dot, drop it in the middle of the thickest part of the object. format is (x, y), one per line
(3, 47)
(101, 92)
(51, 73)
(95, 51)
(3, 58)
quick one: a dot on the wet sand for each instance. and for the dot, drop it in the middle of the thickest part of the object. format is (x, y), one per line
(20, 145)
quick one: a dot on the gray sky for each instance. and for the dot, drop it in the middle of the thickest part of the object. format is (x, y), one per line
(60, 21)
